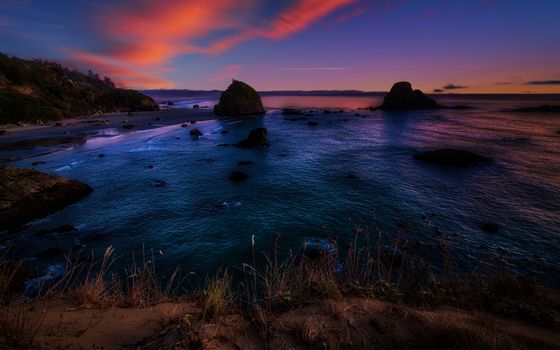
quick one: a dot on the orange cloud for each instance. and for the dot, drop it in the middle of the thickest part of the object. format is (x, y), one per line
(122, 76)
(140, 40)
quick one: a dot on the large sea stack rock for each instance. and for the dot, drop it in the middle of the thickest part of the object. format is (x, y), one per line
(257, 138)
(26, 194)
(402, 97)
(239, 100)
(452, 157)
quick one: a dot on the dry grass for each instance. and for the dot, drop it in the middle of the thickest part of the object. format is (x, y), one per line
(12, 275)
(220, 296)
(18, 328)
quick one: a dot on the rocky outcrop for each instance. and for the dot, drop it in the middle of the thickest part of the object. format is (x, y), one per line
(257, 138)
(238, 176)
(239, 100)
(403, 97)
(452, 157)
(26, 194)
(195, 133)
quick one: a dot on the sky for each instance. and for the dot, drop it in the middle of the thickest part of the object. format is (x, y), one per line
(452, 46)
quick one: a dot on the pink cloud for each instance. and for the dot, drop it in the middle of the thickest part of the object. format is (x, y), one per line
(153, 33)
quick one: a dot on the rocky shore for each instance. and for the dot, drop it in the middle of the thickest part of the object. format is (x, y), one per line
(26, 194)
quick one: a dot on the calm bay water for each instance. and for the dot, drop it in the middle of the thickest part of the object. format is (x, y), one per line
(299, 187)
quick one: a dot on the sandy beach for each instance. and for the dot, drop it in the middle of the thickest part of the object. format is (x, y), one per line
(75, 130)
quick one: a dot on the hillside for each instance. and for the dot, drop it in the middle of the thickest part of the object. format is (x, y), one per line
(33, 90)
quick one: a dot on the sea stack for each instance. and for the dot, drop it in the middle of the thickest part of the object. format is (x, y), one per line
(239, 100)
(403, 97)
(26, 194)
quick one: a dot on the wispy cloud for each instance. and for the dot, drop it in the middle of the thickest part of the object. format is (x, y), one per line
(453, 87)
(503, 83)
(231, 71)
(314, 68)
(543, 82)
(150, 34)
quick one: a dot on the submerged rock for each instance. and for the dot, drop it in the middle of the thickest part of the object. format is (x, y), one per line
(544, 109)
(490, 227)
(257, 138)
(26, 194)
(61, 229)
(402, 97)
(312, 123)
(291, 111)
(238, 176)
(195, 133)
(452, 157)
(128, 126)
(239, 100)
(49, 253)
(245, 162)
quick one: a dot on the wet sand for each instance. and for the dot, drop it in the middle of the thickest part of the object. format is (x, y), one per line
(74, 131)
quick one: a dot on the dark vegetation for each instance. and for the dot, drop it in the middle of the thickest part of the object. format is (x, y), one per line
(36, 90)
(368, 292)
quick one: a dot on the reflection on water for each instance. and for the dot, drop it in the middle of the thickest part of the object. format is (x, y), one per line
(164, 190)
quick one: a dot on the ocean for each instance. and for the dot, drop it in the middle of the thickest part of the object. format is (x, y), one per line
(163, 193)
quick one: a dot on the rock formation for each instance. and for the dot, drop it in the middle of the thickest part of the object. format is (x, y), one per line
(195, 133)
(238, 176)
(239, 100)
(26, 194)
(452, 157)
(257, 138)
(402, 97)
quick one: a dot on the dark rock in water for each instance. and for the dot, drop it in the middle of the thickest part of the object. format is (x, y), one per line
(224, 132)
(128, 126)
(402, 97)
(352, 175)
(39, 162)
(195, 133)
(149, 166)
(312, 123)
(291, 111)
(319, 248)
(257, 138)
(158, 119)
(490, 227)
(192, 121)
(61, 229)
(196, 107)
(245, 162)
(26, 194)
(185, 125)
(101, 155)
(49, 253)
(239, 100)
(238, 176)
(295, 119)
(544, 109)
(452, 157)
(326, 111)
(3, 132)
(159, 183)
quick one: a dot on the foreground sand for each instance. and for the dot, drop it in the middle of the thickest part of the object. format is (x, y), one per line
(352, 323)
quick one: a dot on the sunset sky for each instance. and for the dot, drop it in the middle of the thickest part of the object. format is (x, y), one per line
(453, 46)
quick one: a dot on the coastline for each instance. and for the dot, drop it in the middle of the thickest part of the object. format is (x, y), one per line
(74, 131)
